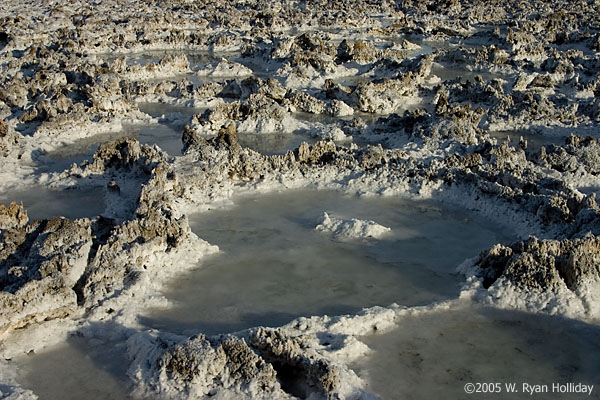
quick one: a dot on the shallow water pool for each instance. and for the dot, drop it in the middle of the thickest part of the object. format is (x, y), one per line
(166, 135)
(158, 110)
(437, 354)
(272, 143)
(43, 203)
(274, 266)
(534, 140)
(76, 152)
(77, 369)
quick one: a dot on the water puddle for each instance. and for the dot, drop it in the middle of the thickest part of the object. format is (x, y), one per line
(76, 370)
(196, 58)
(76, 152)
(534, 140)
(449, 73)
(168, 132)
(43, 203)
(179, 114)
(434, 355)
(273, 143)
(165, 136)
(274, 266)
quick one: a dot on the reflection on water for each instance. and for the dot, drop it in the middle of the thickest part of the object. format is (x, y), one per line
(274, 266)
(434, 355)
(273, 143)
(165, 136)
(178, 114)
(195, 57)
(534, 140)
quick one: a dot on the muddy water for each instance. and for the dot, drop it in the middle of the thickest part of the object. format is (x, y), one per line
(274, 266)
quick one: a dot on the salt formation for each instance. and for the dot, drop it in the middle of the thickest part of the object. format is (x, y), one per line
(399, 99)
(225, 69)
(354, 228)
(42, 261)
(559, 277)
(8, 138)
(201, 366)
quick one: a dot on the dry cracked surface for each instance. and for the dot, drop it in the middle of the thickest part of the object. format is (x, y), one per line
(491, 105)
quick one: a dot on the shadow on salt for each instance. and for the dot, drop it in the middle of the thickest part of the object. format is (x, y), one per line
(274, 266)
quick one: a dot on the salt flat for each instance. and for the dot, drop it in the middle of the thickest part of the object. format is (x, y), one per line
(251, 200)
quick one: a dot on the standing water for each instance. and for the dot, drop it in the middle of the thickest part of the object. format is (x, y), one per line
(471, 351)
(77, 369)
(273, 143)
(166, 134)
(274, 266)
(41, 202)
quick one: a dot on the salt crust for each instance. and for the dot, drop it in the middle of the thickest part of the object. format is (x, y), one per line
(351, 228)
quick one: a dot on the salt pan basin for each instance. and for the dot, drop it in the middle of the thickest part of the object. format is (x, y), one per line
(275, 266)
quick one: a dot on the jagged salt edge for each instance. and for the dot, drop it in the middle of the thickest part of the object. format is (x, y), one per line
(582, 304)
(341, 331)
(161, 267)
